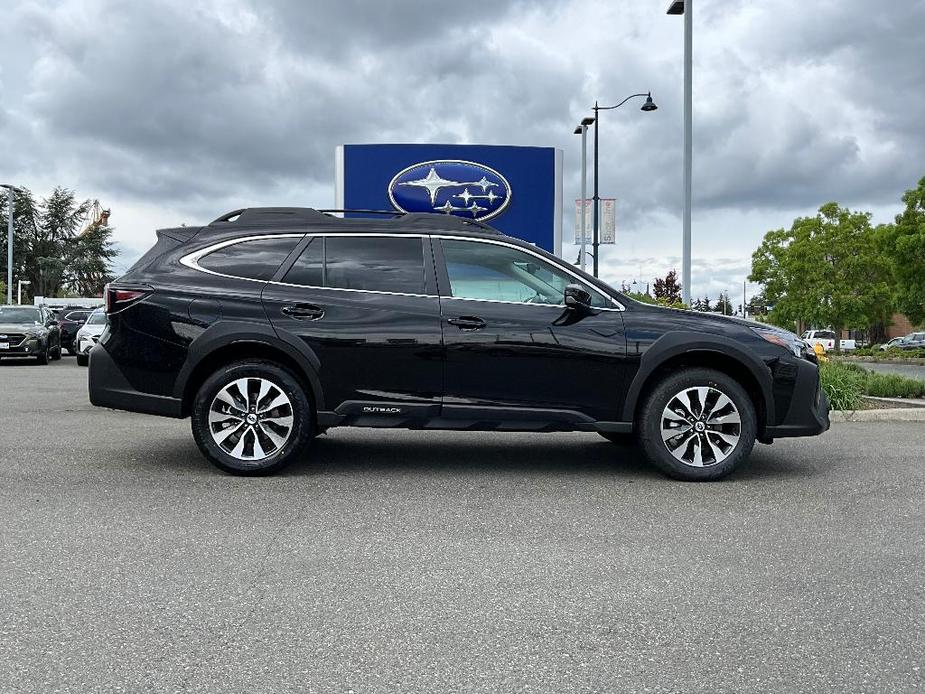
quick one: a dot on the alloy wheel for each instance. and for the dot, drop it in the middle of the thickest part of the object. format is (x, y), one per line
(251, 419)
(701, 426)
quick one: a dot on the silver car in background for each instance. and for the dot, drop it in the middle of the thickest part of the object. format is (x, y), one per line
(89, 335)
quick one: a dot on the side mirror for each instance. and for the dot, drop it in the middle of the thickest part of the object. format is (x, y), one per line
(577, 297)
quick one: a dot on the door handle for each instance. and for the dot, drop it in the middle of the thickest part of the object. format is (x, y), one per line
(303, 311)
(467, 322)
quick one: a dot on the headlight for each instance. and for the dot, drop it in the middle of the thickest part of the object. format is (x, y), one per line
(784, 338)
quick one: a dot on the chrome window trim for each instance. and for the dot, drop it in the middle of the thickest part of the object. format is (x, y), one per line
(191, 260)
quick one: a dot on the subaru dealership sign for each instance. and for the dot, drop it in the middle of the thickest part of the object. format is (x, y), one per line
(518, 190)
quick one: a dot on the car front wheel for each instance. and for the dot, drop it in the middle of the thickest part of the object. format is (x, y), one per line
(44, 355)
(698, 425)
(251, 418)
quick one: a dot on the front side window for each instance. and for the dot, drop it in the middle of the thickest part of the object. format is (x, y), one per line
(492, 272)
(365, 263)
(257, 259)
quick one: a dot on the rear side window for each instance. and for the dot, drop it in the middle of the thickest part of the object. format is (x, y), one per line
(367, 263)
(256, 260)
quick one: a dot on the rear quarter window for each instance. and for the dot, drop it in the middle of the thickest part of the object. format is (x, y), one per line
(256, 260)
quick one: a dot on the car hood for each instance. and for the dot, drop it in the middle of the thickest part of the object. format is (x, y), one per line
(18, 327)
(92, 329)
(702, 319)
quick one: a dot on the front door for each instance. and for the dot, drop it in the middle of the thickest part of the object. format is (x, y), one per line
(366, 305)
(513, 350)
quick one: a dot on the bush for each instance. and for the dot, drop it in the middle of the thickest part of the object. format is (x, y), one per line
(845, 383)
(893, 386)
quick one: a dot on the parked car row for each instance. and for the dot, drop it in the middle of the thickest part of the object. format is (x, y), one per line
(907, 342)
(44, 333)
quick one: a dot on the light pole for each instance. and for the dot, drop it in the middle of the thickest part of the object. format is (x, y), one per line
(684, 7)
(9, 240)
(582, 130)
(19, 285)
(648, 106)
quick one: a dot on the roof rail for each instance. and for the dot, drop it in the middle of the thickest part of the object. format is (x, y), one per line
(275, 215)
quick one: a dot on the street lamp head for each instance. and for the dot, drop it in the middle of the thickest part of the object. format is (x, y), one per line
(676, 7)
(579, 130)
(649, 105)
(587, 121)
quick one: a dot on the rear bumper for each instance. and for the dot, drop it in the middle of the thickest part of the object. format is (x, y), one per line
(809, 407)
(110, 388)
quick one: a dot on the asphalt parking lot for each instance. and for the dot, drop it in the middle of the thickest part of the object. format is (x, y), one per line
(448, 562)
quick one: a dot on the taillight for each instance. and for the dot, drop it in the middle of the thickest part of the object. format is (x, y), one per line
(118, 298)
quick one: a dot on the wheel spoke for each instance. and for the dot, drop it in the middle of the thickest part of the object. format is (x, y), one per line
(275, 438)
(222, 435)
(225, 397)
(670, 433)
(698, 452)
(280, 399)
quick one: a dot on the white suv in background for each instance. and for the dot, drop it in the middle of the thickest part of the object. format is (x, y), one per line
(89, 335)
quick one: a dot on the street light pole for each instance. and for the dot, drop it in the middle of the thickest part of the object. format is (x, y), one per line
(582, 130)
(9, 242)
(648, 106)
(684, 7)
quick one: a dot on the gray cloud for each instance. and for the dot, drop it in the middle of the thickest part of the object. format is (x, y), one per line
(203, 106)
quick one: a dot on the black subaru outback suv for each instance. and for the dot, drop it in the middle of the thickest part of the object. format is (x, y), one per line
(271, 325)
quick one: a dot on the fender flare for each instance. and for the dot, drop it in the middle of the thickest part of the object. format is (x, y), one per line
(678, 342)
(224, 333)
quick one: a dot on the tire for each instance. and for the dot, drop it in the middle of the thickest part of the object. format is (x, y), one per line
(44, 356)
(240, 453)
(618, 438)
(56, 354)
(83, 360)
(72, 351)
(721, 436)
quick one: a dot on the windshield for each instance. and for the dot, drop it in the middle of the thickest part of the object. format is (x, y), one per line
(97, 318)
(20, 314)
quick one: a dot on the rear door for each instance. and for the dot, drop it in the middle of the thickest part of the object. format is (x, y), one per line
(366, 305)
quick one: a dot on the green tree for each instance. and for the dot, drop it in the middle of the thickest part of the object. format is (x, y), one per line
(667, 291)
(903, 246)
(825, 271)
(722, 305)
(48, 250)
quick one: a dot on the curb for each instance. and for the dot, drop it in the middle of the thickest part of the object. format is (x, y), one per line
(893, 414)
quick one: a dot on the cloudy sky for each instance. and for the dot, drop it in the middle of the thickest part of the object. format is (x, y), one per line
(173, 111)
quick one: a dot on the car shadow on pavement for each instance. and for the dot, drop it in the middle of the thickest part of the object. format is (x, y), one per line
(473, 454)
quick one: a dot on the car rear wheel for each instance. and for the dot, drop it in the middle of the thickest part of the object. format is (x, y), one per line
(56, 353)
(697, 425)
(83, 359)
(251, 418)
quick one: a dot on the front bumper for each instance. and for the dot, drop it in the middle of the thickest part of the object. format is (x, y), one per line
(85, 344)
(808, 414)
(109, 388)
(29, 347)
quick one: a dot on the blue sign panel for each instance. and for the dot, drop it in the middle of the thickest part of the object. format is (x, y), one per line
(518, 190)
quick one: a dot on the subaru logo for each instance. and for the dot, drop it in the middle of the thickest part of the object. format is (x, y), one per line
(461, 188)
